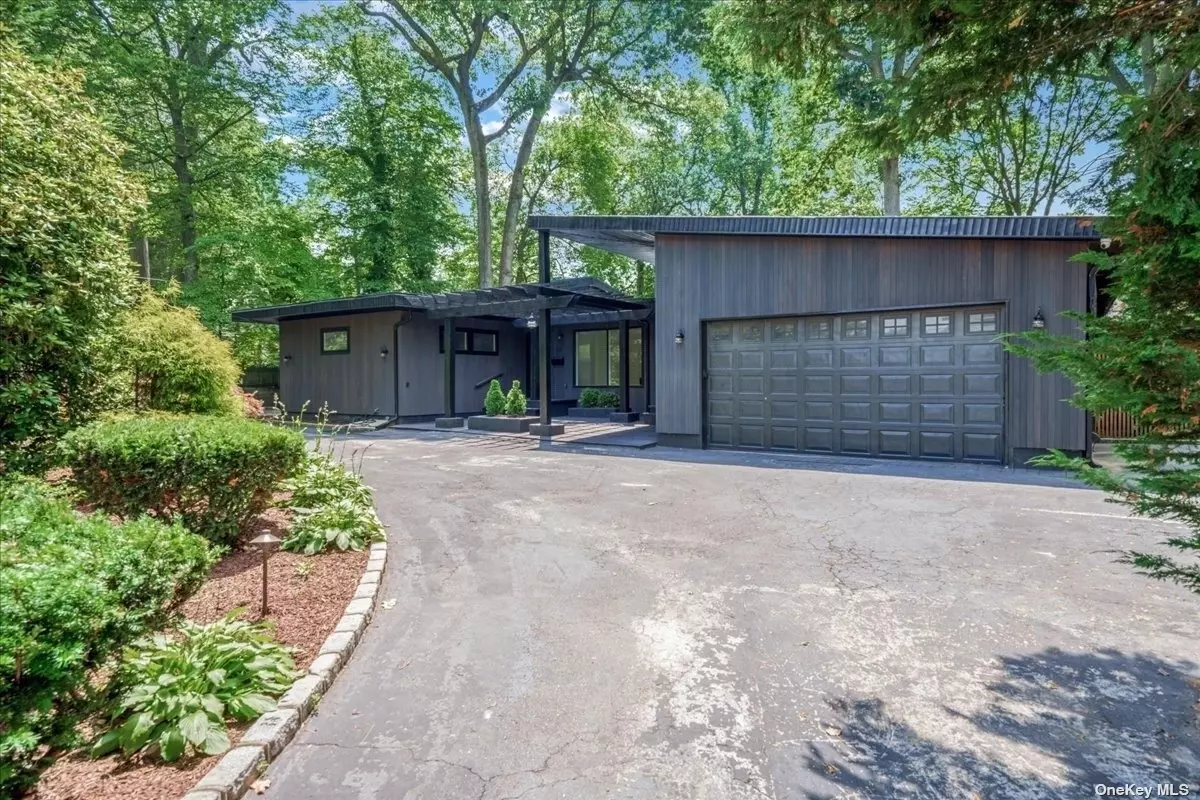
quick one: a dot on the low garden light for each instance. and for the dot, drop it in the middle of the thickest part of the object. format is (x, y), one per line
(266, 544)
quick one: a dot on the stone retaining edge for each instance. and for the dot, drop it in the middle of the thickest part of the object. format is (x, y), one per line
(262, 743)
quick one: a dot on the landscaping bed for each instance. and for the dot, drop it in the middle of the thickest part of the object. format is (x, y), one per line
(307, 595)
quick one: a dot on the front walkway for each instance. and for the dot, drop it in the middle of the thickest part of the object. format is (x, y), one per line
(562, 625)
(577, 431)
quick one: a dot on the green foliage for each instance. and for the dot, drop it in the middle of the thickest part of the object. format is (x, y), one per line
(331, 507)
(183, 688)
(494, 403)
(212, 473)
(177, 364)
(65, 208)
(515, 402)
(598, 398)
(74, 590)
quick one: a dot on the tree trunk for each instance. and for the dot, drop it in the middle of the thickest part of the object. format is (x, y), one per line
(187, 218)
(483, 200)
(516, 189)
(889, 171)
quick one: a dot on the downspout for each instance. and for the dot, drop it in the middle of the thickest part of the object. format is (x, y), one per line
(1093, 305)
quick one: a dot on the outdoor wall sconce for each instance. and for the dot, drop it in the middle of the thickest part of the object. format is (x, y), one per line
(266, 544)
(531, 321)
(287, 359)
(679, 336)
(1039, 319)
(383, 351)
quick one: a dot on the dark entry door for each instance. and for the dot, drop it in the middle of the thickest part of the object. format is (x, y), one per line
(908, 384)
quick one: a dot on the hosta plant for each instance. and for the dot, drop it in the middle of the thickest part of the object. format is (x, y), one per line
(181, 689)
(331, 507)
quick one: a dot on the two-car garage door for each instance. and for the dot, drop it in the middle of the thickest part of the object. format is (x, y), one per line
(926, 383)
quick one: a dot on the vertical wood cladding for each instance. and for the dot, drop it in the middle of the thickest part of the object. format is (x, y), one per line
(701, 278)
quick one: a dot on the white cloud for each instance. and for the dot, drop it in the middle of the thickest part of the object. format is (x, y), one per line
(560, 106)
(491, 127)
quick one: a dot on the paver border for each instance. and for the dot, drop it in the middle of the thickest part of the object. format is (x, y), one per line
(230, 778)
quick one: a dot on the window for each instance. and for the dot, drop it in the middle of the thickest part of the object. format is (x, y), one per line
(752, 332)
(856, 329)
(335, 340)
(783, 331)
(818, 329)
(983, 322)
(471, 342)
(895, 326)
(937, 324)
(598, 357)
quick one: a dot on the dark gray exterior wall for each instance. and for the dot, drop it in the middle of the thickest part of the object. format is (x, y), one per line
(363, 382)
(700, 278)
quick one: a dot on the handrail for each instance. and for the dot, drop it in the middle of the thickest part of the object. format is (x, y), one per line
(486, 381)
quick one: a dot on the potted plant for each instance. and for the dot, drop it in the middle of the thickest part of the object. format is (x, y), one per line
(504, 413)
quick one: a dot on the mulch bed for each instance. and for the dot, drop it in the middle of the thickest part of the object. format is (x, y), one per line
(305, 604)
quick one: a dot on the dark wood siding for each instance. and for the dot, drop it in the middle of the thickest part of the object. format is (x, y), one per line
(702, 278)
(562, 345)
(357, 382)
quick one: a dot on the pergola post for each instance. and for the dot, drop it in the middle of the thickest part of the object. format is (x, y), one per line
(647, 365)
(448, 365)
(623, 330)
(544, 338)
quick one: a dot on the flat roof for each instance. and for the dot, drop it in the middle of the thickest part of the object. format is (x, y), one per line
(635, 236)
(516, 300)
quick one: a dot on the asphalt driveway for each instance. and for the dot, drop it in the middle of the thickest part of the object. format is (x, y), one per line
(571, 625)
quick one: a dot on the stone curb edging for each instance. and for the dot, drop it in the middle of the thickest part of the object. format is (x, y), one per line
(265, 739)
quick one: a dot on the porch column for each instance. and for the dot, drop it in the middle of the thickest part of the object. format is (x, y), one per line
(647, 366)
(544, 337)
(448, 365)
(623, 329)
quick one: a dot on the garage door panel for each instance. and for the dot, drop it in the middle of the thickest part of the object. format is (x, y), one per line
(937, 355)
(856, 357)
(818, 411)
(937, 444)
(900, 384)
(895, 443)
(818, 359)
(855, 384)
(856, 441)
(895, 356)
(855, 412)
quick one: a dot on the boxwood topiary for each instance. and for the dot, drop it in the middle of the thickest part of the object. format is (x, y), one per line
(515, 403)
(211, 473)
(494, 403)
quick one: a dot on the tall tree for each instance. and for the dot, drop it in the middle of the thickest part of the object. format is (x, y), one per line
(1146, 359)
(179, 80)
(512, 59)
(857, 47)
(378, 148)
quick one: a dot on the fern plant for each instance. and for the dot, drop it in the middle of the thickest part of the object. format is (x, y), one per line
(183, 689)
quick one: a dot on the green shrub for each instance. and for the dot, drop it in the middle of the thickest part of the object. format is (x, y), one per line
(74, 590)
(212, 473)
(514, 403)
(493, 404)
(597, 398)
(331, 507)
(182, 689)
(176, 363)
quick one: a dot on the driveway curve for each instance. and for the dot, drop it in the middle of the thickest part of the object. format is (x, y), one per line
(577, 625)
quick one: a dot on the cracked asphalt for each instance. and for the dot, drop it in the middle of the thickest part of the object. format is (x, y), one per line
(711, 626)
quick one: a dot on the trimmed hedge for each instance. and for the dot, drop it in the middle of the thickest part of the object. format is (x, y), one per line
(74, 590)
(597, 398)
(211, 473)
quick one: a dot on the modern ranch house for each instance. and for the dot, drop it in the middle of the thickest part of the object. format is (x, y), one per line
(873, 336)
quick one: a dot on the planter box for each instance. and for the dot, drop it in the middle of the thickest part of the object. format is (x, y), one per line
(623, 416)
(500, 424)
(449, 422)
(589, 413)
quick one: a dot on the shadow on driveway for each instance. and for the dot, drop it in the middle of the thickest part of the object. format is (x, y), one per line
(1070, 721)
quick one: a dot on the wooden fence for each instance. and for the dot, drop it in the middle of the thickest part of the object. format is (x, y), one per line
(1117, 425)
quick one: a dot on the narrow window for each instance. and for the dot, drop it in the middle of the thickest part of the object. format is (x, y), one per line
(598, 358)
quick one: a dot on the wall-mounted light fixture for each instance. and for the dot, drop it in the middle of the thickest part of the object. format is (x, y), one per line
(287, 359)
(383, 351)
(531, 321)
(1039, 319)
(679, 336)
